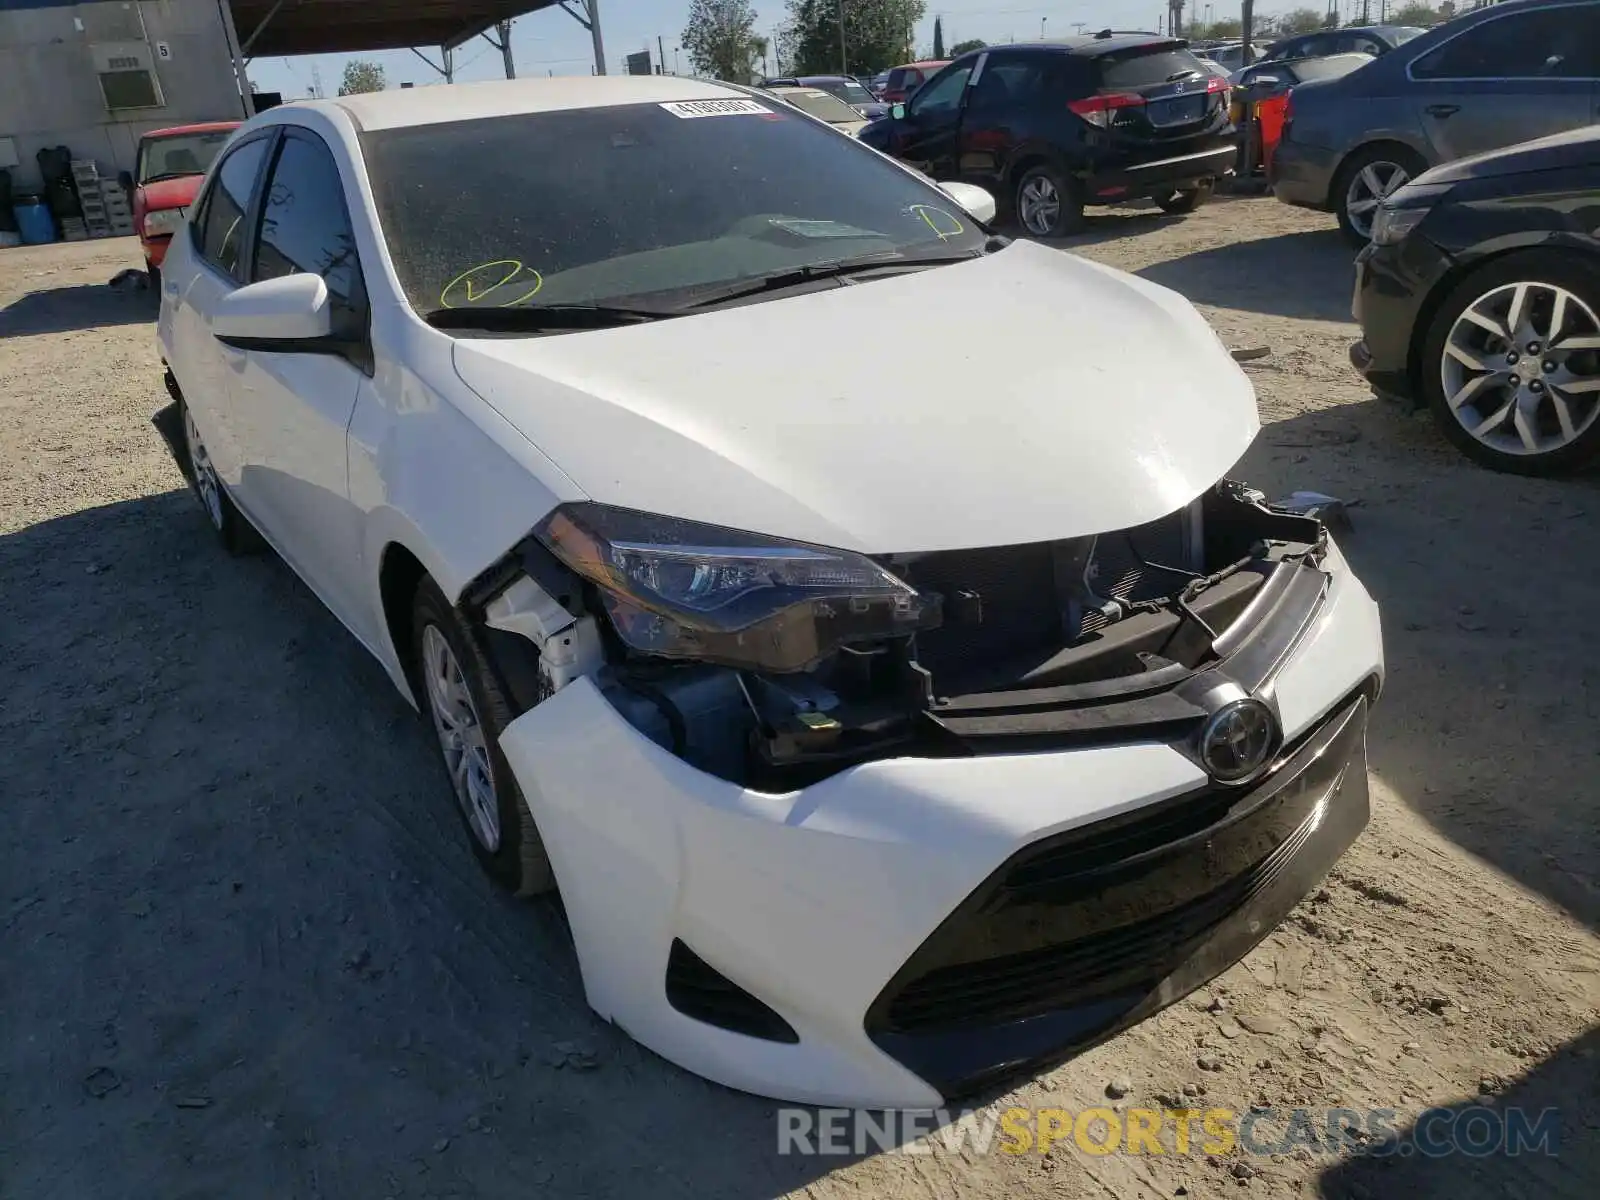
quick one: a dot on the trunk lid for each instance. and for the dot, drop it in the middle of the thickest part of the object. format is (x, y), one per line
(1154, 96)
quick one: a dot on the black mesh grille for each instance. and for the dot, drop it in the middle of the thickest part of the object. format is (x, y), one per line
(697, 989)
(1015, 612)
(1112, 909)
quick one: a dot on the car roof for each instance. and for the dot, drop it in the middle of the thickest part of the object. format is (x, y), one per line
(790, 89)
(1092, 45)
(923, 62)
(402, 107)
(202, 127)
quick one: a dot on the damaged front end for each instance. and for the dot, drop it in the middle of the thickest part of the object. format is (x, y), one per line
(774, 665)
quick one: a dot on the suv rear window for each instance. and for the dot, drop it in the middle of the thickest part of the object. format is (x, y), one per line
(1142, 68)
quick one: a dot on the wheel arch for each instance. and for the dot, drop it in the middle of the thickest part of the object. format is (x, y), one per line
(1493, 253)
(399, 573)
(1387, 140)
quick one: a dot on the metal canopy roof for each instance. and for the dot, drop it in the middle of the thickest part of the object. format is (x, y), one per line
(269, 28)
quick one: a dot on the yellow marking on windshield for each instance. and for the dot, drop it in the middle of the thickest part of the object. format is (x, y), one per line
(476, 283)
(939, 221)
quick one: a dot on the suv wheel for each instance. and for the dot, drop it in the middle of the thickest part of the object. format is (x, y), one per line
(1365, 181)
(1048, 203)
(1511, 364)
(1186, 200)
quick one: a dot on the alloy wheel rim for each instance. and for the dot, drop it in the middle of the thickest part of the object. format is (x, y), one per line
(205, 477)
(1370, 187)
(461, 738)
(1521, 368)
(1040, 204)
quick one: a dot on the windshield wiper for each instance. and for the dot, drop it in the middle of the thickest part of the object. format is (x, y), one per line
(795, 276)
(535, 318)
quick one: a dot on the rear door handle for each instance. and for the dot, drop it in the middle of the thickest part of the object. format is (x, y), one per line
(1442, 110)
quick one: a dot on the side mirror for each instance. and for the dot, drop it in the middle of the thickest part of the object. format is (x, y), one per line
(294, 313)
(897, 112)
(978, 203)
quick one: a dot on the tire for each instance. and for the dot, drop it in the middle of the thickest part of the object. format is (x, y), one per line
(1030, 202)
(1186, 200)
(1504, 415)
(1372, 165)
(154, 275)
(514, 857)
(237, 535)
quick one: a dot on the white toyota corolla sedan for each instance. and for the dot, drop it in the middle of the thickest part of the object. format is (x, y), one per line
(845, 608)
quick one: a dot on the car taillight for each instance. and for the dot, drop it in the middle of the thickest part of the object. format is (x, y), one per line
(1097, 110)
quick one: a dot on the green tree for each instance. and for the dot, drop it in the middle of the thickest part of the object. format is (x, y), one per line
(360, 75)
(938, 37)
(877, 34)
(966, 47)
(721, 41)
(1413, 14)
(1301, 20)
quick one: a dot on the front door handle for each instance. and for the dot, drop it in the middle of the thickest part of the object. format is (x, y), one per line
(1442, 110)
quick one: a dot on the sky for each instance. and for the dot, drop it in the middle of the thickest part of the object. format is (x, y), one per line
(551, 42)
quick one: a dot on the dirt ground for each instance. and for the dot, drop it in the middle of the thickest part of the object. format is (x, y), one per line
(245, 952)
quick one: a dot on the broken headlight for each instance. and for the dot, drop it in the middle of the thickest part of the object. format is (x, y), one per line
(681, 589)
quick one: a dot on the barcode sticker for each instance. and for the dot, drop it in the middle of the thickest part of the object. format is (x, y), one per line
(716, 108)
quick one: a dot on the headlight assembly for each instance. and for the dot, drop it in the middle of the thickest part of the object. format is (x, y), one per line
(681, 589)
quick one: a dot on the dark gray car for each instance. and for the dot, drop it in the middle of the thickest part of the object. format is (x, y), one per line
(1490, 78)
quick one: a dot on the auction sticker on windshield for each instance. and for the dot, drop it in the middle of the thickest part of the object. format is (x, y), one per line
(716, 108)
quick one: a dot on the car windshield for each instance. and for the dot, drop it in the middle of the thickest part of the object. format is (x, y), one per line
(180, 154)
(607, 205)
(1404, 34)
(848, 90)
(823, 106)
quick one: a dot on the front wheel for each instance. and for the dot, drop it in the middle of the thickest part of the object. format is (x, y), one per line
(1511, 363)
(469, 712)
(1369, 178)
(1048, 202)
(233, 531)
(1186, 200)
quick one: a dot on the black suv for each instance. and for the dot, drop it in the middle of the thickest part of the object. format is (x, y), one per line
(1051, 127)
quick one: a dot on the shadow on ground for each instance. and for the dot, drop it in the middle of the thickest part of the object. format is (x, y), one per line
(1250, 276)
(1492, 1146)
(87, 306)
(244, 949)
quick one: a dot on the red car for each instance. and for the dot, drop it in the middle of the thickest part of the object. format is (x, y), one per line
(903, 81)
(172, 163)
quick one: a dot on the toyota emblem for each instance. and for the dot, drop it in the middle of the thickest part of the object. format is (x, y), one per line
(1238, 740)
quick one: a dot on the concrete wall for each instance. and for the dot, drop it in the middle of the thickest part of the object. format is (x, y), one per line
(50, 94)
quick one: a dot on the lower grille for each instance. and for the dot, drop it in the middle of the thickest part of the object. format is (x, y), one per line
(1112, 910)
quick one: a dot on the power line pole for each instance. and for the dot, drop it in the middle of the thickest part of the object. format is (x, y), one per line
(505, 50)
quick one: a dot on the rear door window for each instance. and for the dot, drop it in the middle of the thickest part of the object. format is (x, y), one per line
(1007, 80)
(1138, 69)
(1546, 43)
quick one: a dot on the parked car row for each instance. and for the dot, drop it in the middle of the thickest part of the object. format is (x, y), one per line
(1052, 128)
(1479, 297)
(1487, 79)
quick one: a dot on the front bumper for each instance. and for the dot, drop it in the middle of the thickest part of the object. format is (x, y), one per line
(1139, 179)
(1392, 286)
(822, 904)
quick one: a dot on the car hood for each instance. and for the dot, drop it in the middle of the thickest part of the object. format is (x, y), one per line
(1025, 396)
(170, 193)
(1576, 147)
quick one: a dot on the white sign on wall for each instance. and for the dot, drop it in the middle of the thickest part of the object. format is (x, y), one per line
(163, 51)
